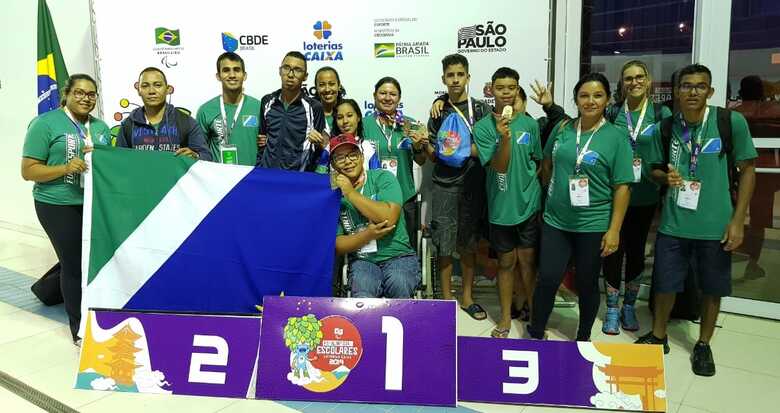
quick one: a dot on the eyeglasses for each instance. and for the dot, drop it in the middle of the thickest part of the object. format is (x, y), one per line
(638, 79)
(353, 156)
(700, 88)
(80, 94)
(297, 71)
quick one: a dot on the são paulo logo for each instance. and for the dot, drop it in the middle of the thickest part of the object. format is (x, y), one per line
(323, 48)
(231, 42)
(480, 38)
(322, 351)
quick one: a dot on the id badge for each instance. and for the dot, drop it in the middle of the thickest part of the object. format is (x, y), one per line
(369, 248)
(637, 169)
(228, 154)
(688, 194)
(579, 191)
(390, 164)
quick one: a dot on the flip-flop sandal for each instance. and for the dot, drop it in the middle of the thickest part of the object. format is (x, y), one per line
(475, 311)
(499, 333)
(523, 313)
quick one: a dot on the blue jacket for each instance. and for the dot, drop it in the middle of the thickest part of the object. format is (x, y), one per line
(287, 146)
(177, 130)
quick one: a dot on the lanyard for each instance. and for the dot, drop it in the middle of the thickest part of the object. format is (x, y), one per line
(227, 128)
(634, 131)
(388, 137)
(695, 145)
(86, 136)
(581, 154)
(470, 120)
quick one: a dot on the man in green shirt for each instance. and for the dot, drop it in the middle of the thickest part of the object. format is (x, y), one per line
(371, 227)
(230, 120)
(698, 221)
(508, 146)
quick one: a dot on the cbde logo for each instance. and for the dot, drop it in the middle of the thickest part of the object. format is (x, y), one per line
(246, 41)
(323, 49)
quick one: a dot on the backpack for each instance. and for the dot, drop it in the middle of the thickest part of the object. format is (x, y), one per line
(180, 118)
(726, 148)
(454, 138)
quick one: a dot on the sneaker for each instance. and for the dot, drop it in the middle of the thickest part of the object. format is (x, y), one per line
(702, 362)
(77, 343)
(649, 338)
(628, 318)
(527, 334)
(611, 322)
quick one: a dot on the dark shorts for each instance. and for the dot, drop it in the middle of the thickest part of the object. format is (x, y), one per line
(504, 238)
(711, 264)
(456, 216)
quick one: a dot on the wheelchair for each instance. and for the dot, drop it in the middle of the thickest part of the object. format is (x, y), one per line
(424, 254)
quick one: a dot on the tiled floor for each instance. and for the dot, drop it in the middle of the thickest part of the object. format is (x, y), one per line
(35, 348)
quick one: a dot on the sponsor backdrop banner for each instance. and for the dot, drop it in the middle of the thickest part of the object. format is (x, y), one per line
(362, 41)
(362, 350)
(582, 374)
(201, 355)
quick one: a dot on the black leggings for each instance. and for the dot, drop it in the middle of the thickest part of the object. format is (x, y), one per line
(62, 224)
(557, 247)
(412, 223)
(633, 236)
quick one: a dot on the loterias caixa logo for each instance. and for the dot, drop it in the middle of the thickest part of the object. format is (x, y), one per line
(482, 38)
(323, 48)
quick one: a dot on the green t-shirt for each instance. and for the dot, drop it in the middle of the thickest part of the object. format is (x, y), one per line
(329, 123)
(644, 192)
(608, 162)
(515, 196)
(709, 220)
(243, 134)
(380, 186)
(50, 137)
(389, 155)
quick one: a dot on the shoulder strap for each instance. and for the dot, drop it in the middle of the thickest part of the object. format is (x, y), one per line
(612, 112)
(657, 111)
(724, 129)
(181, 125)
(561, 125)
(666, 136)
(477, 108)
(727, 147)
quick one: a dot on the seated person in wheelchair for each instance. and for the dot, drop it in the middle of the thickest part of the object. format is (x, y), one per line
(371, 229)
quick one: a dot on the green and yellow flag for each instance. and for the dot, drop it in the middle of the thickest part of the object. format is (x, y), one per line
(52, 73)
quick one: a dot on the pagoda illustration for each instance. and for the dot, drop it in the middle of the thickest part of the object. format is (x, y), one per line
(123, 361)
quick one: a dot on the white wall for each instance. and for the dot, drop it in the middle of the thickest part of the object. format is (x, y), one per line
(18, 99)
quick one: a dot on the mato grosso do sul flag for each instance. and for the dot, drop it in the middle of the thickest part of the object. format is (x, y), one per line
(168, 233)
(50, 68)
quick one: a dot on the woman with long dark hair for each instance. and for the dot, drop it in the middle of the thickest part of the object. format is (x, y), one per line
(53, 158)
(587, 161)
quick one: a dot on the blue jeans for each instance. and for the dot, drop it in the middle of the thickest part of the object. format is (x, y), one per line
(394, 278)
(711, 264)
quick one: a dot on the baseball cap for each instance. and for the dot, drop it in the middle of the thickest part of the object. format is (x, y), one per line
(343, 139)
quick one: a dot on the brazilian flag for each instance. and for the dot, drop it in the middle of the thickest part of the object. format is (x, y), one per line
(52, 73)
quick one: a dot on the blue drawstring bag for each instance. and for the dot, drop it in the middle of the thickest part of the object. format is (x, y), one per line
(453, 142)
